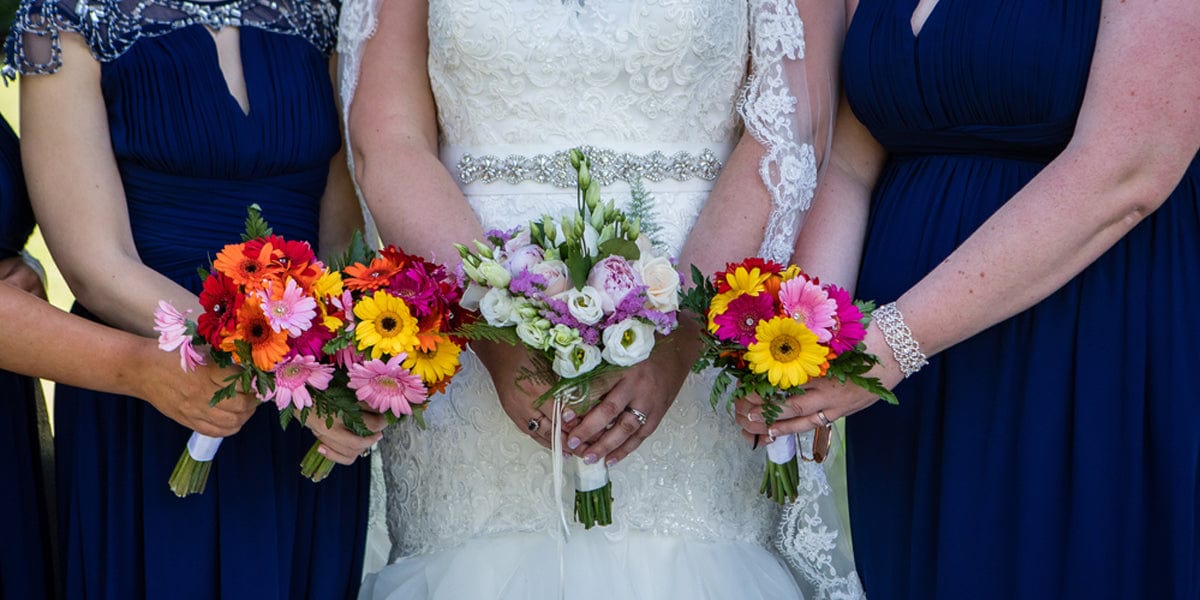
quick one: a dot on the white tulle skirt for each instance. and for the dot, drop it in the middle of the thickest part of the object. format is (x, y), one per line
(638, 567)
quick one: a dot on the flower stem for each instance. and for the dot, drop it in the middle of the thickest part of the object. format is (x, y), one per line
(314, 466)
(594, 507)
(190, 475)
(780, 481)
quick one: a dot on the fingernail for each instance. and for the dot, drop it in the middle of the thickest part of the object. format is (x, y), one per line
(322, 450)
(590, 459)
(771, 434)
(568, 416)
(750, 417)
(612, 462)
(573, 443)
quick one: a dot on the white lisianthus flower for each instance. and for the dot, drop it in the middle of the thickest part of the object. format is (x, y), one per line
(562, 338)
(496, 306)
(576, 360)
(472, 271)
(585, 305)
(628, 343)
(523, 311)
(494, 274)
(532, 335)
(662, 282)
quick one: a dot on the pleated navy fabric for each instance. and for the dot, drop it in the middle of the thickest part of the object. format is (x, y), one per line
(1057, 454)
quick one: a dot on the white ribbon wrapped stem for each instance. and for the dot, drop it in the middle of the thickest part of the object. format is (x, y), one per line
(203, 448)
(782, 450)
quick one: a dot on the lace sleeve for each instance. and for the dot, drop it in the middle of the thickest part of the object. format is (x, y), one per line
(782, 115)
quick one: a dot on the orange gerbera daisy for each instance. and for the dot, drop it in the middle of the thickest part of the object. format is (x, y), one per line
(370, 277)
(267, 347)
(248, 266)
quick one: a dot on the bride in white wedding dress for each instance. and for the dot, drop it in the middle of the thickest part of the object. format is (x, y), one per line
(459, 113)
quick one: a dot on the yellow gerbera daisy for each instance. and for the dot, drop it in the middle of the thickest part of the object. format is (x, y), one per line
(385, 325)
(787, 351)
(790, 273)
(330, 284)
(742, 281)
(436, 364)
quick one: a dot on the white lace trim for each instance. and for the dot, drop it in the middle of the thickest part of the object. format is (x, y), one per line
(775, 118)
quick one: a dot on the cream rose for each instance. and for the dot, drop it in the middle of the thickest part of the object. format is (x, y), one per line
(555, 274)
(662, 283)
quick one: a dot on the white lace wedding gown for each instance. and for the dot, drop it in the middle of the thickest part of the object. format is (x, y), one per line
(651, 87)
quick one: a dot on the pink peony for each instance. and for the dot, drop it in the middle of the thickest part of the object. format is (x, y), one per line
(614, 278)
(173, 334)
(740, 320)
(291, 309)
(522, 258)
(292, 378)
(848, 330)
(807, 303)
(387, 386)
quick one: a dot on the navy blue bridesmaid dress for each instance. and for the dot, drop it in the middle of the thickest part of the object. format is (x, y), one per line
(1057, 454)
(25, 559)
(191, 162)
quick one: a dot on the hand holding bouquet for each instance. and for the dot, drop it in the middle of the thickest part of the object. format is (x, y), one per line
(771, 330)
(573, 291)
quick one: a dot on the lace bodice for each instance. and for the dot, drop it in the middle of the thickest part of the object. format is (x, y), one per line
(548, 72)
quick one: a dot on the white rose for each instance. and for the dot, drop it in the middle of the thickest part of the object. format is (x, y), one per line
(495, 274)
(473, 294)
(662, 282)
(585, 305)
(496, 306)
(628, 343)
(532, 335)
(558, 280)
(576, 360)
(562, 338)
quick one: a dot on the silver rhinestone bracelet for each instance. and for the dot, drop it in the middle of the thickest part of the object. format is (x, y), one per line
(899, 338)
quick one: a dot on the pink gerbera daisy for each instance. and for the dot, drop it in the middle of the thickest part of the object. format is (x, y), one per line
(387, 386)
(807, 303)
(173, 334)
(293, 377)
(290, 309)
(740, 320)
(848, 330)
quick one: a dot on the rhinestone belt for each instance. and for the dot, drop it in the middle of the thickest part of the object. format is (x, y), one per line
(607, 166)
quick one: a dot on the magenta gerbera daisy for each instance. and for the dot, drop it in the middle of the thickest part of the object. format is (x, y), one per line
(289, 309)
(387, 386)
(293, 377)
(848, 330)
(807, 303)
(740, 320)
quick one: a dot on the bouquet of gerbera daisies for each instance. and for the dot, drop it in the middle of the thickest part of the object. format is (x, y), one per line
(270, 306)
(770, 330)
(586, 295)
(394, 344)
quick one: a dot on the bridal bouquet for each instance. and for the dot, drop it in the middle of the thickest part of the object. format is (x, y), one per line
(585, 294)
(770, 330)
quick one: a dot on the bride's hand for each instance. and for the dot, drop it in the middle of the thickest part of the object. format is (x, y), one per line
(341, 445)
(504, 364)
(612, 429)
